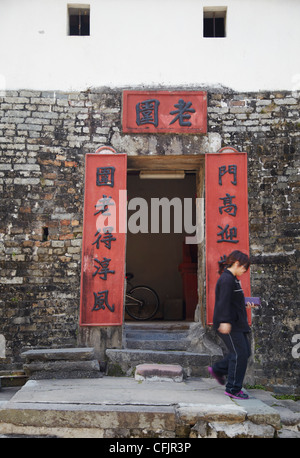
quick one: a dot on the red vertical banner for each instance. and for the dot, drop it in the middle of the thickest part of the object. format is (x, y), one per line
(104, 240)
(227, 226)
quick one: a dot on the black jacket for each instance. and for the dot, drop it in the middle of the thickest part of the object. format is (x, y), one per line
(230, 303)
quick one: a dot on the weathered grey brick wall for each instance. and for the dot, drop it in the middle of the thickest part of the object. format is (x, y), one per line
(266, 125)
(44, 137)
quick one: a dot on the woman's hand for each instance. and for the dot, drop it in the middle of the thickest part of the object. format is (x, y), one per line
(251, 305)
(224, 328)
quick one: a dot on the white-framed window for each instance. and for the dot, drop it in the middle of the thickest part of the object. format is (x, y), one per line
(214, 22)
(78, 19)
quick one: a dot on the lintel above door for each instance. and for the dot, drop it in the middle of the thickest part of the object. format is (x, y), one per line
(178, 162)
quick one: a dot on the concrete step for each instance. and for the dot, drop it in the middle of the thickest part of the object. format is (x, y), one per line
(61, 363)
(124, 361)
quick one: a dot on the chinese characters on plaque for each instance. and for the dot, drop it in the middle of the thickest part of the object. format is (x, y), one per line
(164, 111)
(103, 252)
(226, 217)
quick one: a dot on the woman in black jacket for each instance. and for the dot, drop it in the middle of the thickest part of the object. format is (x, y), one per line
(230, 321)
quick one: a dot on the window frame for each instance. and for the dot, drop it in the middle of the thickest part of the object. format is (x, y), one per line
(78, 7)
(217, 12)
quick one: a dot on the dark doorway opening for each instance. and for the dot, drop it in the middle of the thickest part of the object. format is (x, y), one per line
(163, 260)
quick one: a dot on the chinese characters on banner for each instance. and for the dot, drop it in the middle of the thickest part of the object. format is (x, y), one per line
(103, 248)
(164, 111)
(226, 217)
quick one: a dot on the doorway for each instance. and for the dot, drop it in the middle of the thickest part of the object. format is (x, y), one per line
(157, 253)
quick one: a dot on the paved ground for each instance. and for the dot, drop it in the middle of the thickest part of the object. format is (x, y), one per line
(119, 393)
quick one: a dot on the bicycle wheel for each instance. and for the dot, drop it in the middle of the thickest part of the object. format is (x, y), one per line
(144, 303)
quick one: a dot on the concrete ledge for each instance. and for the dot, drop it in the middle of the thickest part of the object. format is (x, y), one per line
(159, 372)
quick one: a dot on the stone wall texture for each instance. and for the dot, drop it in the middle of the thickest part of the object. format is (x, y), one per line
(44, 137)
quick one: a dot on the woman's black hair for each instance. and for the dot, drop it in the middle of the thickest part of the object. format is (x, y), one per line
(236, 255)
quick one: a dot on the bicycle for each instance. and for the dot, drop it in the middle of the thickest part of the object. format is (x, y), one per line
(141, 302)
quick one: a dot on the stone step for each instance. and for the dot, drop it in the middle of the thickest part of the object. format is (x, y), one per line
(157, 337)
(124, 408)
(10, 379)
(124, 361)
(157, 340)
(157, 326)
(43, 354)
(61, 363)
(159, 372)
(156, 345)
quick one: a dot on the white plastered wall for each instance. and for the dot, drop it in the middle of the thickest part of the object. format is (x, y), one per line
(150, 43)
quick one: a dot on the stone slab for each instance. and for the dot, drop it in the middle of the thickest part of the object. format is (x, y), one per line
(60, 365)
(84, 353)
(121, 391)
(88, 415)
(159, 372)
(239, 430)
(191, 413)
(121, 407)
(193, 364)
(260, 413)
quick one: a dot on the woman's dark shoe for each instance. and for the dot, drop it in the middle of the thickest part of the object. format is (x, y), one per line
(239, 395)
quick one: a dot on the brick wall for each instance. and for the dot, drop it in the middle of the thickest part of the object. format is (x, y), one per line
(266, 125)
(44, 137)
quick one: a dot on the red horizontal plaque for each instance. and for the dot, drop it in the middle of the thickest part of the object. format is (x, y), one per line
(165, 111)
(227, 227)
(104, 238)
